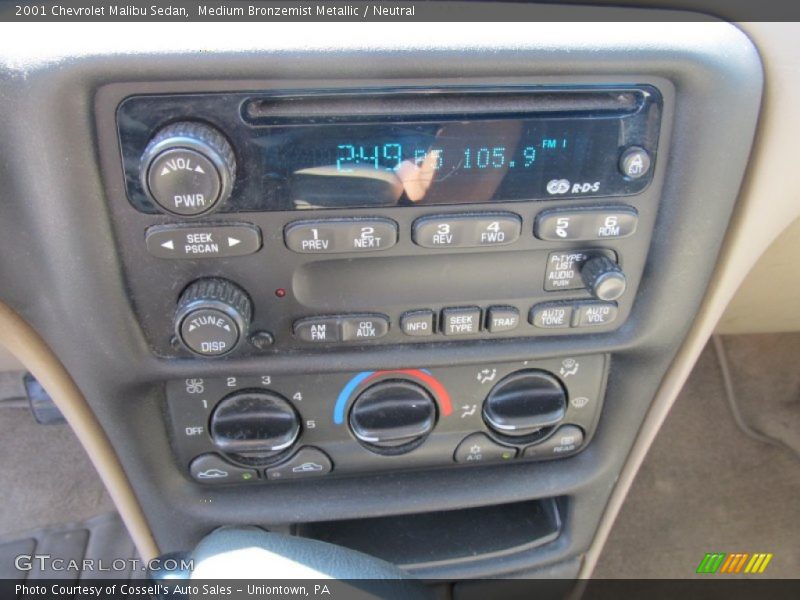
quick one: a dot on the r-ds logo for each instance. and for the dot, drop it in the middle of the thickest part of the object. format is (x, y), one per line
(562, 186)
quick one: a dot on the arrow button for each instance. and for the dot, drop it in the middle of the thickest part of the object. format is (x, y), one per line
(198, 242)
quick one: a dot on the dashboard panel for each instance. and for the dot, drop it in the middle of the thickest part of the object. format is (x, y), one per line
(402, 355)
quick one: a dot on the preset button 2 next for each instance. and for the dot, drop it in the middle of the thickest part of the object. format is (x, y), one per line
(329, 236)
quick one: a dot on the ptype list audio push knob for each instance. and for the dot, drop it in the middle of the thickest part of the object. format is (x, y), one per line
(188, 169)
(213, 315)
(603, 278)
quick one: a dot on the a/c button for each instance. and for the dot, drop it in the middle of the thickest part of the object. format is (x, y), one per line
(479, 447)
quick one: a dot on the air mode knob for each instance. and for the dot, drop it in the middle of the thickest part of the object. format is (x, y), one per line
(212, 316)
(392, 415)
(188, 169)
(254, 426)
(603, 278)
(524, 403)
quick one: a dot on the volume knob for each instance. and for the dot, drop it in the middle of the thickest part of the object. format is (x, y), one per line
(213, 315)
(188, 169)
(603, 278)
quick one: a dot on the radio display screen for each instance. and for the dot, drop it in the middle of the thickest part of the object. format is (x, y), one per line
(458, 162)
(456, 149)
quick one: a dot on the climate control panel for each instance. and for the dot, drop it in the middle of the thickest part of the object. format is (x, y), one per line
(268, 428)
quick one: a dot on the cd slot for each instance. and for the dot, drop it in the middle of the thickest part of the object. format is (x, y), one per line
(358, 106)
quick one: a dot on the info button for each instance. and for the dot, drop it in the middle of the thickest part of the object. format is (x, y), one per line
(213, 241)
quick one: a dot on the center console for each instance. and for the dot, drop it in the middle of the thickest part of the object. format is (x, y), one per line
(323, 218)
(410, 297)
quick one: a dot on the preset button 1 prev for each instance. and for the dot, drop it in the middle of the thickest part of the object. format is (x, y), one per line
(329, 236)
(211, 241)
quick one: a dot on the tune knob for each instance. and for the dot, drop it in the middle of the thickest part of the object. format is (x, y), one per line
(188, 169)
(603, 278)
(524, 403)
(253, 426)
(393, 414)
(213, 315)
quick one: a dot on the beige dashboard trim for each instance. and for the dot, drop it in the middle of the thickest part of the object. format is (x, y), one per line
(29, 348)
(769, 202)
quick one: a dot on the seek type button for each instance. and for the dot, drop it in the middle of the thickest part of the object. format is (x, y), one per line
(176, 241)
(363, 327)
(466, 231)
(461, 321)
(329, 236)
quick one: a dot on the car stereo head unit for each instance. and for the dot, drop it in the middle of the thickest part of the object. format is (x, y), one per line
(326, 149)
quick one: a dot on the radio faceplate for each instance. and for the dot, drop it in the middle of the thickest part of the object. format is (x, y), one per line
(445, 266)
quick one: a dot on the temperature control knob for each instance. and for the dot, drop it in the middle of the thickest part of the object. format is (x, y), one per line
(253, 426)
(188, 169)
(603, 278)
(524, 403)
(212, 316)
(393, 414)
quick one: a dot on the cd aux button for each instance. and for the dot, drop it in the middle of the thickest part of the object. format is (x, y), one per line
(466, 230)
(364, 327)
(329, 236)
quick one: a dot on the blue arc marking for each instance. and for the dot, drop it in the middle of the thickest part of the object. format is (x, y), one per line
(347, 391)
(341, 401)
